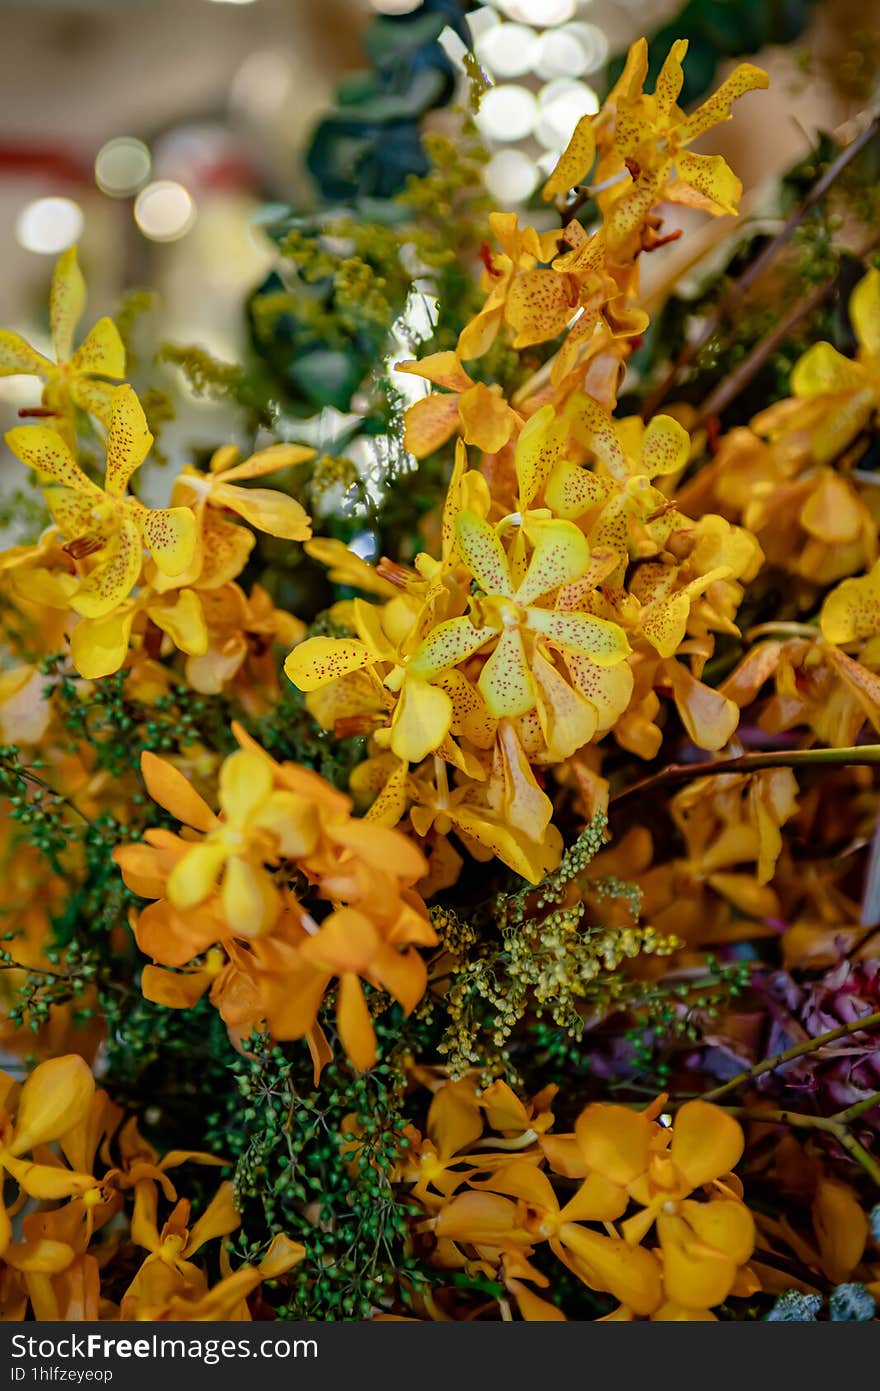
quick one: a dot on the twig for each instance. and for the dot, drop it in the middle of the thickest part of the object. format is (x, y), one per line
(752, 272)
(828, 1125)
(867, 1021)
(728, 390)
(858, 1108)
(28, 775)
(750, 763)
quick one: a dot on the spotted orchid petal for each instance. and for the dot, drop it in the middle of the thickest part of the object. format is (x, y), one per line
(17, 356)
(483, 554)
(446, 646)
(170, 535)
(572, 490)
(538, 450)
(101, 351)
(716, 108)
(539, 306)
(319, 661)
(598, 638)
(128, 440)
(666, 447)
(670, 79)
(560, 556)
(706, 182)
(575, 162)
(852, 611)
(114, 576)
(505, 682)
(595, 429)
(67, 300)
(46, 453)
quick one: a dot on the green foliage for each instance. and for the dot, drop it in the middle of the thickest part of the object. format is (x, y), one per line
(317, 1163)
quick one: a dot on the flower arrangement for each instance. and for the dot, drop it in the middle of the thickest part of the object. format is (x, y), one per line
(491, 933)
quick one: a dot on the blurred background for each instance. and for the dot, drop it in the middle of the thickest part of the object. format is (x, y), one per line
(163, 135)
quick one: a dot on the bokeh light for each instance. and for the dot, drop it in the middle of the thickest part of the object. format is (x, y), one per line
(511, 176)
(560, 53)
(507, 50)
(561, 105)
(122, 166)
(164, 210)
(507, 112)
(49, 225)
(541, 12)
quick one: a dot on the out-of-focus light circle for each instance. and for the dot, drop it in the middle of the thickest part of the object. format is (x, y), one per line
(510, 176)
(122, 166)
(49, 225)
(562, 103)
(164, 210)
(593, 41)
(559, 54)
(508, 50)
(508, 112)
(233, 2)
(395, 6)
(541, 12)
(262, 84)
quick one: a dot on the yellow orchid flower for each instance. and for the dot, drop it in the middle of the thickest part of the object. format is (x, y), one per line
(625, 512)
(517, 1205)
(479, 413)
(703, 1244)
(257, 824)
(649, 135)
(55, 1098)
(222, 548)
(422, 713)
(508, 613)
(73, 378)
(530, 846)
(834, 396)
(106, 530)
(535, 301)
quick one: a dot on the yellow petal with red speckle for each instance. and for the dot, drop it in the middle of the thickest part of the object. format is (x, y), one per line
(575, 162)
(318, 661)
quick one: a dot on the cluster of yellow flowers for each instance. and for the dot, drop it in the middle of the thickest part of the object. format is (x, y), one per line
(54, 1131)
(119, 575)
(570, 579)
(262, 954)
(588, 569)
(486, 1174)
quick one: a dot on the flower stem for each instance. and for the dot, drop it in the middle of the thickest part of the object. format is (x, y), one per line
(829, 1125)
(751, 763)
(867, 1021)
